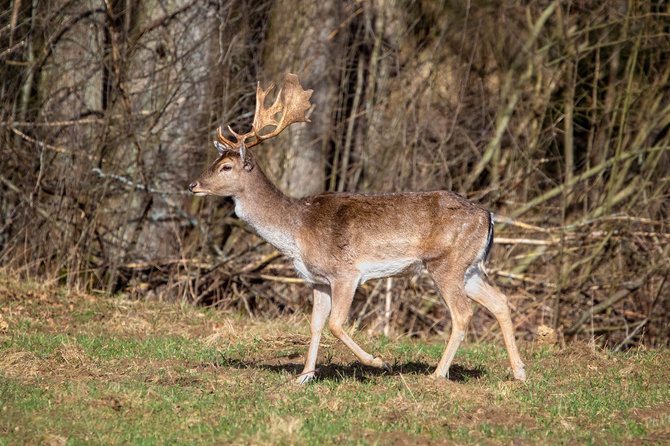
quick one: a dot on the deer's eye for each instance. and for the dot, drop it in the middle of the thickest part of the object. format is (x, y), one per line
(226, 168)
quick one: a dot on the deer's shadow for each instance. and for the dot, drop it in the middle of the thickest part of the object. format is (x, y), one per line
(338, 372)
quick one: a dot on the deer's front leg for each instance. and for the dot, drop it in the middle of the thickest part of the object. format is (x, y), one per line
(342, 293)
(320, 312)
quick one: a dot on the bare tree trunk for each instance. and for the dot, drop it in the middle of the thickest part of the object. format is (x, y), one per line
(385, 19)
(302, 40)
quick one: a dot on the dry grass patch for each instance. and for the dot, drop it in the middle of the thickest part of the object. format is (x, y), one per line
(21, 364)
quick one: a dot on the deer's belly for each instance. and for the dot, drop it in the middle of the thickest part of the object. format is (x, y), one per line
(388, 268)
(366, 270)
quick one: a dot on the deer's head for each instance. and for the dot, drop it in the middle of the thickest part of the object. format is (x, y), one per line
(227, 175)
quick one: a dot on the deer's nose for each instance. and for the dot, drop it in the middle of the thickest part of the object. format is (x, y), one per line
(192, 186)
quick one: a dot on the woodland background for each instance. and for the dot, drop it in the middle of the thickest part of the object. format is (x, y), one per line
(554, 115)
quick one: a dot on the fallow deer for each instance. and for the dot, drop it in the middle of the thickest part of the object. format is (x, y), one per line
(338, 241)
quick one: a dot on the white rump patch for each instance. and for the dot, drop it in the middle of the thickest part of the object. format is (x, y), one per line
(387, 268)
(474, 284)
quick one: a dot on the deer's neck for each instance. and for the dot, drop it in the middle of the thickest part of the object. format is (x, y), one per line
(272, 214)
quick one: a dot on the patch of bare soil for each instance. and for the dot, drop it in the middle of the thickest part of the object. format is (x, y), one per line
(399, 438)
(477, 395)
(579, 356)
(476, 404)
(499, 415)
(659, 415)
(656, 420)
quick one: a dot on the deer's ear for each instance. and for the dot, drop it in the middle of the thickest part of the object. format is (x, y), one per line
(248, 163)
(221, 148)
(243, 152)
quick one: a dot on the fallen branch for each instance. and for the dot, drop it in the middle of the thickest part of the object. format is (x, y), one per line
(280, 279)
(262, 263)
(523, 241)
(514, 222)
(522, 278)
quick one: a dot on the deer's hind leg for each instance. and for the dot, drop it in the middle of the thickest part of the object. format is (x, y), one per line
(482, 292)
(449, 281)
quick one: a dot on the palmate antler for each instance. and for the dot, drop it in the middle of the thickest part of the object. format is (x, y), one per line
(292, 107)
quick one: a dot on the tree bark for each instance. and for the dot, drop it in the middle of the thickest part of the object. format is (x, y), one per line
(301, 40)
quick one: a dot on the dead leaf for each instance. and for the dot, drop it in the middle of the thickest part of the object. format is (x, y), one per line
(4, 326)
(546, 335)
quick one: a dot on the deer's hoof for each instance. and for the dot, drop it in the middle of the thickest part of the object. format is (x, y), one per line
(520, 373)
(304, 378)
(380, 364)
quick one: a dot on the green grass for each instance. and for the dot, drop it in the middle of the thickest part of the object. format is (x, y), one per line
(78, 370)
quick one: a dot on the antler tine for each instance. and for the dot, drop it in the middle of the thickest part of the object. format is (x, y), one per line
(292, 106)
(296, 102)
(222, 139)
(291, 101)
(237, 146)
(265, 116)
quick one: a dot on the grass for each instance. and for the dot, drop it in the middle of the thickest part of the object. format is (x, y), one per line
(76, 369)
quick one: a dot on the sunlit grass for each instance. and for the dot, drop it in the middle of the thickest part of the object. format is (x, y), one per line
(119, 371)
